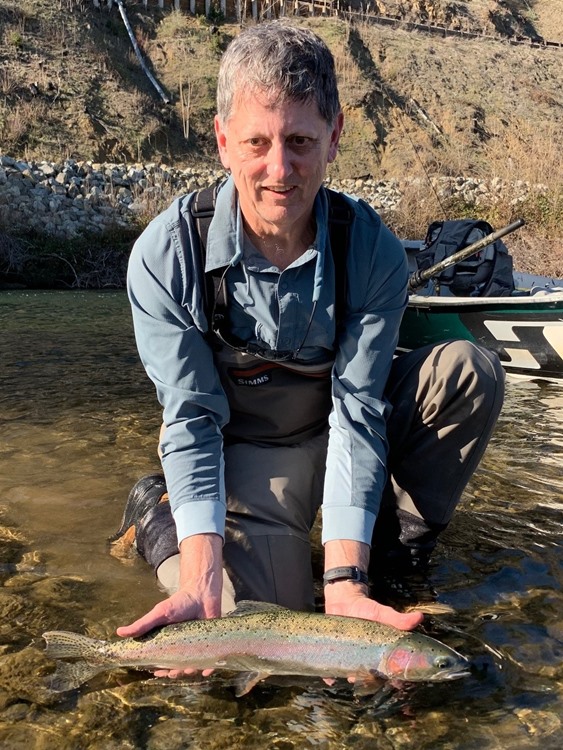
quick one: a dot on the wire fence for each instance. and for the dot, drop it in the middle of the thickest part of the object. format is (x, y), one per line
(368, 12)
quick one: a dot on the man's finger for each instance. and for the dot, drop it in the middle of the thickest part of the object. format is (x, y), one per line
(174, 673)
(145, 623)
(401, 620)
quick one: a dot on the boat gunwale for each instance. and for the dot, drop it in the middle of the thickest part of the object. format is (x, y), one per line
(529, 302)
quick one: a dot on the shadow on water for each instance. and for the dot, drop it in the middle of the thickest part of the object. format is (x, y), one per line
(79, 423)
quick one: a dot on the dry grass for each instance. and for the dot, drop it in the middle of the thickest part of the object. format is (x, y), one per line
(16, 123)
(525, 150)
(523, 156)
(476, 109)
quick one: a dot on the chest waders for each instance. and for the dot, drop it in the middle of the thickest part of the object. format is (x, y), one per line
(272, 402)
(275, 440)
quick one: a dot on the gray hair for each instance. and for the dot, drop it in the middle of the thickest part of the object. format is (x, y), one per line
(283, 61)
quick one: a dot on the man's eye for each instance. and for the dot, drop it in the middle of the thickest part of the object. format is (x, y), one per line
(300, 140)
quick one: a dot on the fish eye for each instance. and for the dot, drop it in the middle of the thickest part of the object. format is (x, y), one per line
(443, 662)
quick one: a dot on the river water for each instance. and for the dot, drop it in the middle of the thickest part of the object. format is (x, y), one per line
(79, 423)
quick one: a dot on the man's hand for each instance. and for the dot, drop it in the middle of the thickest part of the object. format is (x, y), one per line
(198, 598)
(351, 600)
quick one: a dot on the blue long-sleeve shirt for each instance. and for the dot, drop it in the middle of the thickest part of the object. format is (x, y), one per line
(272, 309)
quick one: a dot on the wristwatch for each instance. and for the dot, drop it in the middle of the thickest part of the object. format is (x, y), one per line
(345, 573)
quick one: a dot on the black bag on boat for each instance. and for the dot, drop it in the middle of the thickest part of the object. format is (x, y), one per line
(487, 273)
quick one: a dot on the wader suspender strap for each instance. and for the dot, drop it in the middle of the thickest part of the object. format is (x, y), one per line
(340, 218)
(202, 209)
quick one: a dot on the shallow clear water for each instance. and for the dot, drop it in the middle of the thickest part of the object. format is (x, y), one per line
(78, 426)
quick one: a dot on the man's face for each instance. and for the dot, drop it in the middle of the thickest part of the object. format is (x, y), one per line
(277, 156)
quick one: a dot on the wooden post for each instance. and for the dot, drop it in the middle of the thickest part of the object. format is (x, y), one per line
(192, 7)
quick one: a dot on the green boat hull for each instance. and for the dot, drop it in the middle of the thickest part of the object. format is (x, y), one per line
(525, 331)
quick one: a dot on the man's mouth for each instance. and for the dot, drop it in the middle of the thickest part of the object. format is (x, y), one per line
(280, 190)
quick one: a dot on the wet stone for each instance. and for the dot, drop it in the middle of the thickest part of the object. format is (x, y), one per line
(12, 546)
(15, 610)
(100, 716)
(60, 590)
(539, 723)
(17, 712)
(22, 677)
(24, 616)
(168, 733)
(370, 735)
(431, 729)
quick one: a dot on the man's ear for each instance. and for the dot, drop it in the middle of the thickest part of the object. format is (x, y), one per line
(335, 137)
(221, 136)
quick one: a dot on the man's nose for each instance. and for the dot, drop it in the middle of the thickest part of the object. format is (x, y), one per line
(279, 160)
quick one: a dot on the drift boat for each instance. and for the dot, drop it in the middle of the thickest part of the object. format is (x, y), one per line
(525, 328)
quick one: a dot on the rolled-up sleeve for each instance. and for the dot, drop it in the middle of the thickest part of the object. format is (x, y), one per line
(162, 284)
(356, 461)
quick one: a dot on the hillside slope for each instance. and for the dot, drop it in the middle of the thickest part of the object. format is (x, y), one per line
(71, 85)
(418, 105)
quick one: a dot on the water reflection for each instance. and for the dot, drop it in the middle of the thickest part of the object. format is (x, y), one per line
(79, 420)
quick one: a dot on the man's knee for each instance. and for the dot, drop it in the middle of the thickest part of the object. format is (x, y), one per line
(428, 380)
(475, 372)
(476, 357)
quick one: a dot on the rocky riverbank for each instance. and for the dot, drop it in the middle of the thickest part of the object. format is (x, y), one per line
(79, 212)
(72, 198)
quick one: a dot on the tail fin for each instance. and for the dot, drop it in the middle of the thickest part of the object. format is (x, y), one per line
(88, 652)
(64, 645)
(69, 676)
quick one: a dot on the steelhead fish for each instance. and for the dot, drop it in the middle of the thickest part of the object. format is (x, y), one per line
(259, 640)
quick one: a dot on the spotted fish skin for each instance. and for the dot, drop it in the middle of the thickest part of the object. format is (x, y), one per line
(259, 640)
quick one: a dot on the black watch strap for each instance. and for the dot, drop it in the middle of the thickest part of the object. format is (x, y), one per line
(345, 573)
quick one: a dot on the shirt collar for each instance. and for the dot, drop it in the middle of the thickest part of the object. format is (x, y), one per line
(226, 236)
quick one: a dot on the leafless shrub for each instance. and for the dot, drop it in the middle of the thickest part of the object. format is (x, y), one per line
(153, 199)
(95, 268)
(14, 254)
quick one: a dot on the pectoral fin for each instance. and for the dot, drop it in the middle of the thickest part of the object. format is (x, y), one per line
(367, 684)
(247, 680)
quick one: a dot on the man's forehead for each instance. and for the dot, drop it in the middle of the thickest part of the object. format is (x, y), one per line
(267, 97)
(248, 101)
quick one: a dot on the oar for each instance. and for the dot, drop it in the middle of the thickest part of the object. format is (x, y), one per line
(419, 278)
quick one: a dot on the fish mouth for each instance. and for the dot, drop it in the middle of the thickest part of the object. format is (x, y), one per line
(451, 674)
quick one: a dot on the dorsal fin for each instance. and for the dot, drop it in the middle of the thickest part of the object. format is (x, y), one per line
(247, 607)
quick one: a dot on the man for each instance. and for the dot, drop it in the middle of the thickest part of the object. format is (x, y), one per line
(283, 406)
